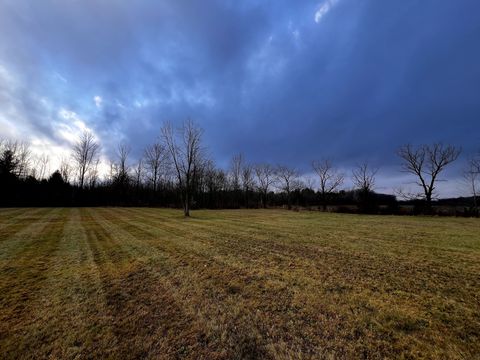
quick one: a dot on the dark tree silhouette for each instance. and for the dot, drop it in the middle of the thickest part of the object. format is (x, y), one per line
(426, 162)
(8, 163)
(472, 178)
(235, 177)
(248, 182)
(184, 149)
(363, 177)
(265, 174)
(85, 154)
(154, 155)
(288, 181)
(330, 179)
(122, 177)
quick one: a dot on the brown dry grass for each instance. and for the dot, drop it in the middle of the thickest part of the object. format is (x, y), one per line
(147, 283)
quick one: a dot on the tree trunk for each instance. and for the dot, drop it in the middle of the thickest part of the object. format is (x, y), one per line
(428, 203)
(475, 204)
(324, 201)
(186, 204)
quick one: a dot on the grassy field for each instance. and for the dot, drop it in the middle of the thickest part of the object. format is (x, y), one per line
(135, 283)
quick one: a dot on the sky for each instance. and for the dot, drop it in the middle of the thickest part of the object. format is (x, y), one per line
(284, 82)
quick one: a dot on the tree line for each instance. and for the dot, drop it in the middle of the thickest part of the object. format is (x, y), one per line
(176, 171)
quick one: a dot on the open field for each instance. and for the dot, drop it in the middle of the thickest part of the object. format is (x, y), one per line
(133, 283)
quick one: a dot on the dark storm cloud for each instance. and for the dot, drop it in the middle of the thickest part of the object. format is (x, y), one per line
(280, 81)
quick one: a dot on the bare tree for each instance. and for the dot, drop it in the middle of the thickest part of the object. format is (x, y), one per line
(85, 155)
(122, 169)
(364, 178)
(154, 157)
(235, 177)
(184, 149)
(42, 168)
(236, 167)
(426, 162)
(330, 179)
(91, 177)
(265, 174)
(138, 172)
(287, 178)
(248, 182)
(472, 178)
(24, 157)
(308, 182)
(65, 170)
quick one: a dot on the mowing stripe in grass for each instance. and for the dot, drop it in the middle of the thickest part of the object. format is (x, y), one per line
(9, 215)
(14, 242)
(22, 281)
(138, 285)
(11, 226)
(78, 320)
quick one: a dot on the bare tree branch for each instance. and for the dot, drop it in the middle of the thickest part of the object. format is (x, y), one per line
(426, 162)
(184, 149)
(364, 177)
(330, 179)
(265, 177)
(287, 177)
(85, 155)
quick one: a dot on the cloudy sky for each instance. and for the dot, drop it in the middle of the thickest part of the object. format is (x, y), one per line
(281, 81)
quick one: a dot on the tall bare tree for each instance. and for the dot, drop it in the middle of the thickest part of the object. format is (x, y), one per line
(265, 175)
(185, 151)
(154, 157)
(236, 167)
(248, 182)
(288, 180)
(330, 179)
(426, 162)
(235, 177)
(85, 155)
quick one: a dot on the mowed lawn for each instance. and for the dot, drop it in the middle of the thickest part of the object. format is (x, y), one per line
(147, 283)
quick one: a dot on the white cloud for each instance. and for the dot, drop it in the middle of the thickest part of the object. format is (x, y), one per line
(323, 9)
(70, 126)
(98, 101)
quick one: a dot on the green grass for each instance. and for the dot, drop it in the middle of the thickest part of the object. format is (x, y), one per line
(135, 283)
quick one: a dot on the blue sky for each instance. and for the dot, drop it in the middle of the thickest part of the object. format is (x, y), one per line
(281, 81)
